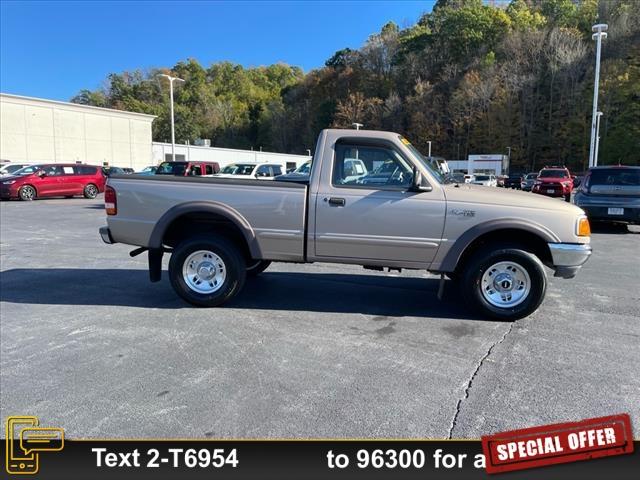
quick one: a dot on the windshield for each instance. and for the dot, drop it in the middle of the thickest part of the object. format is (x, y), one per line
(171, 168)
(433, 168)
(238, 169)
(304, 168)
(27, 170)
(553, 174)
(532, 176)
(482, 178)
(11, 168)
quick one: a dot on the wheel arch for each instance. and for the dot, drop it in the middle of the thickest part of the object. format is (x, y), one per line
(533, 236)
(202, 217)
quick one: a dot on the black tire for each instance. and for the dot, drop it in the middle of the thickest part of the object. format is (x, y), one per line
(486, 258)
(90, 191)
(27, 193)
(257, 267)
(234, 265)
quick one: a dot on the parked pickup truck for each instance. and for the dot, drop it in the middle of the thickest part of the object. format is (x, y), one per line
(401, 213)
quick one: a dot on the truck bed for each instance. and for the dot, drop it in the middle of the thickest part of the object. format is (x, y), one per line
(274, 211)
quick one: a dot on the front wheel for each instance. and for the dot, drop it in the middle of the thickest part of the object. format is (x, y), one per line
(505, 283)
(27, 193)
(207, 271)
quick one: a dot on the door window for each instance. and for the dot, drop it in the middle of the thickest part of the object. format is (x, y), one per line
(208, 169)
(264, 171)
(53, 170)
(196, 170)
(369, 167)
(82, 170)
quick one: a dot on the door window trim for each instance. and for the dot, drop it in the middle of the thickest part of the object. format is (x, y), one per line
(368, 143)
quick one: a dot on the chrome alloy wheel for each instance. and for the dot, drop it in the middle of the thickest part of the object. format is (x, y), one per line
(204, 272)
(92, 191)
(505, 284)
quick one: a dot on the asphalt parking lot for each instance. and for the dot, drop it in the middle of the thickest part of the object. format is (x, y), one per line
(305, 351)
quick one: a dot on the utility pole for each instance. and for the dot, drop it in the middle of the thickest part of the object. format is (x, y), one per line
(600, 32)
(173, 129)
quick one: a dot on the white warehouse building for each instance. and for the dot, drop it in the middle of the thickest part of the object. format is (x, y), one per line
(35, 130)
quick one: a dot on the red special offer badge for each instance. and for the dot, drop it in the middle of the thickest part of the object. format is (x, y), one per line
(558, 443)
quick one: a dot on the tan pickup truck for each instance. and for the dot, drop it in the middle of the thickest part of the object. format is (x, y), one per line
(371, 199)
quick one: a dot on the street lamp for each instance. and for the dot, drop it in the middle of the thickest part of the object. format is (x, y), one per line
(595, 153)
(600, 32)
(357, 125)
(173, 128)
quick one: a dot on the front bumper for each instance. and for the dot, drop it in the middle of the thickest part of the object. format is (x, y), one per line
(569, 257)
(105, 233)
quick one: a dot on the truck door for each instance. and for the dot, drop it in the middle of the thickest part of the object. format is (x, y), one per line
(366, 210)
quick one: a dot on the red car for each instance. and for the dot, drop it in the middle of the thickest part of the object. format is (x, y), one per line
(554, 182)
(53, 180)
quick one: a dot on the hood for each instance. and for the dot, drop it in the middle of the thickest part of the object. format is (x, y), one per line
(230, 175)
(5, 178)
(553, 180)
(476, 194)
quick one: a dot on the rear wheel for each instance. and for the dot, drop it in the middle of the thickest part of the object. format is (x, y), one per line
(27, 193)
(207, 271)
(505, 283)
(90, 191)
(257, 267)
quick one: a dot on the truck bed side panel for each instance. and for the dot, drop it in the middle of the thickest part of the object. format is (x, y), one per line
(275, 211)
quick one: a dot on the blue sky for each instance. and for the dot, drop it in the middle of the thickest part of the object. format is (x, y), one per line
(54, 49)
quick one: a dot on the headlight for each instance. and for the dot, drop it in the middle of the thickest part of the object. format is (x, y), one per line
(9, 182)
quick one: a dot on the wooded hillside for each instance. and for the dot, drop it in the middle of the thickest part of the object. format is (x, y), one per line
(469, 77)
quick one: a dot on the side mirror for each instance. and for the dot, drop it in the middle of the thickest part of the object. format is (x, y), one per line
(418, 184)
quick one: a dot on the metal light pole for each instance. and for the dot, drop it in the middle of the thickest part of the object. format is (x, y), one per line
(600, 32)
(429, 143)
(508, 159)
(595, 153)
(173, 128)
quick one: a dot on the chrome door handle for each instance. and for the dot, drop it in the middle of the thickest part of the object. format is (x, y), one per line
(337, 202)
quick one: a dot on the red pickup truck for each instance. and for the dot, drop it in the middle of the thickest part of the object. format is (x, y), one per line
(554, 182)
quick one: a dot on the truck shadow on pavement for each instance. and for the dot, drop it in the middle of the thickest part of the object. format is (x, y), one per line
(376, 295)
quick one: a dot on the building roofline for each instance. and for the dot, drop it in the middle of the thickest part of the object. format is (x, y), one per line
(230, 149)
(76, 105)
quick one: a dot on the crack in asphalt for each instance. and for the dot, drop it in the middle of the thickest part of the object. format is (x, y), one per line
(454, 420)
